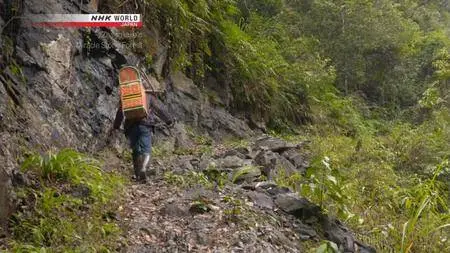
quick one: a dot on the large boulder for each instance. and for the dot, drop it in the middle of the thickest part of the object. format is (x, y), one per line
(272, 164)
(299, 207)
(70, 95)
(335, 231)
(273, 144)
(270, 188)
(242, 152)
(310, 213)
(261, 199)
(246, 174)
(297, 159)
(232, 162)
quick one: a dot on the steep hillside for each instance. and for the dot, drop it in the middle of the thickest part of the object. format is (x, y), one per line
(356, 93)
(222, 202)
(60, 90)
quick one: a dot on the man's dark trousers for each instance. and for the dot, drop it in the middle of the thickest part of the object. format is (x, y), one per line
(140, 137)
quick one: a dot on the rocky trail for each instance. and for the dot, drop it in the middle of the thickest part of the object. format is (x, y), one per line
(179, 210)
(163, 218)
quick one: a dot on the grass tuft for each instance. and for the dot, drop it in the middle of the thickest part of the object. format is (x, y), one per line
(69, 206)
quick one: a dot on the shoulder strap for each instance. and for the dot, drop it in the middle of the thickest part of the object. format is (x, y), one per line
(149, 102)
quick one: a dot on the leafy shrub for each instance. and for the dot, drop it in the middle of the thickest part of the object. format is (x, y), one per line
(322, 185)
(66, 210)
(75, 168)
(328, 247)
(388, 173)
(427, 200)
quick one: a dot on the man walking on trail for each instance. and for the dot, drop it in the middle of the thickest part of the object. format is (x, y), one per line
(139, 133)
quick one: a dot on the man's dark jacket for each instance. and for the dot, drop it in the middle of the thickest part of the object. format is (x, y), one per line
(155, 107)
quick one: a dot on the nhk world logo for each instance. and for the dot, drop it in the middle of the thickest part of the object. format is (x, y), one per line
(86, 20)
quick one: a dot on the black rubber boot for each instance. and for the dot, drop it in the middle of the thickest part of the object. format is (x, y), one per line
(144, 174)
(140, 170)
(136, 167)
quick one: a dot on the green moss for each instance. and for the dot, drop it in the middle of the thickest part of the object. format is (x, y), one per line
(238, 173)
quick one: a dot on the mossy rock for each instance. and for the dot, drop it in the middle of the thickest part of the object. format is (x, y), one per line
(246, 174)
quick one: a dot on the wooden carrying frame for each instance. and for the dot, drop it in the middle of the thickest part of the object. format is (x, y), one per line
(132, 93)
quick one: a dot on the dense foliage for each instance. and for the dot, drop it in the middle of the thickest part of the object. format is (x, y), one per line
(368, 80)
(283, 55)
(68, 205)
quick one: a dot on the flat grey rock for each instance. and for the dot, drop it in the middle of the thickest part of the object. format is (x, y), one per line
(261, 199)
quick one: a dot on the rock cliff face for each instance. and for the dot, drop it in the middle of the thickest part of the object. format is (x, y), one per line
(58, 87)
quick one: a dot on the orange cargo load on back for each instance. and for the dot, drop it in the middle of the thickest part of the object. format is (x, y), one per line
(132, 93)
